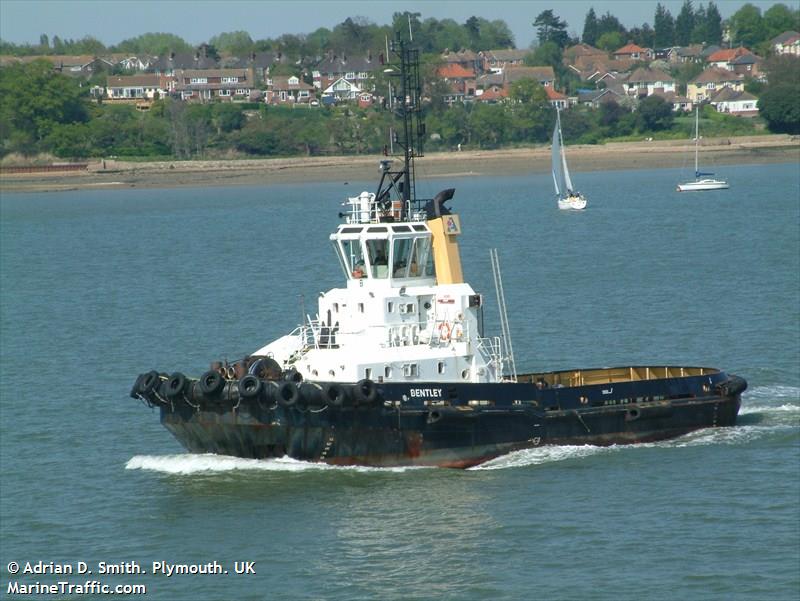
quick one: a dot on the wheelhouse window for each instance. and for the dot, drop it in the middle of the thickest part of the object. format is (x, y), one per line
(352, 257)
(412, 257)
(377, 251)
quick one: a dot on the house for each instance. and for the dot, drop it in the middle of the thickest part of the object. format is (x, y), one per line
(341, 90)
(544, 75)
(355, 70)
(465, 58)
(594, 98)
(582, 51)
(496, 61)
(645, 82)
(126, 87)
(212, 84)
(710, 81)
(679, 103)
(492, 87)
(786, 43)
(688, 54)
(748, 65)
(78, 65)
(723, 58)
(557, 99)
(461, 80)
(288, 89)
(174, 61)
(727, 100)
(633, 52)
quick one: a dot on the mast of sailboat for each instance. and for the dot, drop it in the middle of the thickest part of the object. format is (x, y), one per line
(696, 140)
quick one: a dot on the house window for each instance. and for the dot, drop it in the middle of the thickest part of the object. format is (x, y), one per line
(283, 95)
(242, 92)
(350, 75)
(711, 85)
(363, 75)
(230, 80)
(224, 92)
(198, 80)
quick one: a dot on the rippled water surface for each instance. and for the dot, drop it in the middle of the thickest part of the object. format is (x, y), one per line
(96, 287)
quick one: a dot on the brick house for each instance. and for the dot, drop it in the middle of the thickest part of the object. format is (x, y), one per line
(288, 89)
(213, 84)
(645, 82)
(633, 52)
(358, 71)
(786, 43)
(497, 61)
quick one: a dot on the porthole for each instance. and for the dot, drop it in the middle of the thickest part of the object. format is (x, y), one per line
(465, 374)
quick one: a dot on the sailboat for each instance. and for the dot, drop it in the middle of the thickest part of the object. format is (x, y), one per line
(568, 198)
(706, 183)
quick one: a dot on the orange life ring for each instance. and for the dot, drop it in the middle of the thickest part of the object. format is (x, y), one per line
(444, 331)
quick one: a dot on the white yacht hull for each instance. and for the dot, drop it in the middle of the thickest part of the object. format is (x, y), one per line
(703, 184)
(574, 203)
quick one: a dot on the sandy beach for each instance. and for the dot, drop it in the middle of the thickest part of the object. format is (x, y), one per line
(613, 156)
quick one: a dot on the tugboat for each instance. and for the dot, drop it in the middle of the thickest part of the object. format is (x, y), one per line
(395, 369)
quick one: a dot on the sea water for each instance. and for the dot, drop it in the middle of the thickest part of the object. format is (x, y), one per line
(99, 286)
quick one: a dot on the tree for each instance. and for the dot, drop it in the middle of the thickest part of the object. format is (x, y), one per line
(609, 23)
(747, 26)
(777, 19)
(664, 27)
(779, 107)
(548, 54)
(610, 41)
(34, 100)
(157, 44)
(655, 114)
(684, 24)
(236, 43)
(700, 29)
(590, 28)
(643, 36)
(713, 25)
(551, 29)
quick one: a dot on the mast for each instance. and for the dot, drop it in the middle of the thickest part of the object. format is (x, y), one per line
(696, 140)
(407, 107)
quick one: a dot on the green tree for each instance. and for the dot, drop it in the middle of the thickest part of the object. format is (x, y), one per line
(747, 26)
(777, 19)
(664, 27)
(488, 124)
(684, 24)
(33, 100)
(547, 54)
(609, 23)
(700, 29)
(236, 43)
(655, 114)
(610, 41)
(550, 28)
(156, 44)
(590, 28)
(713, 25)
(779, 107)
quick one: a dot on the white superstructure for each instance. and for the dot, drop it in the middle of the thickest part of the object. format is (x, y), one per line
(405, 313)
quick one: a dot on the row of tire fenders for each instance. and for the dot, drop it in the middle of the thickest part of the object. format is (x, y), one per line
(213, 387)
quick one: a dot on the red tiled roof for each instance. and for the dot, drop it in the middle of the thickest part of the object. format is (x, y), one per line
(553, 95)
(455, 71)
(727, 54)
(490, 94)
(630, 49)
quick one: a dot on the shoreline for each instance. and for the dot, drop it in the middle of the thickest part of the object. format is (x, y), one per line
(469, 163)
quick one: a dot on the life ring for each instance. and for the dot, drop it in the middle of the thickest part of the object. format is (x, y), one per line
(444, 331)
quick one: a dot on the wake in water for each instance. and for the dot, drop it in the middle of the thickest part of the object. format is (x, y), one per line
(187, 464)
(766, 410)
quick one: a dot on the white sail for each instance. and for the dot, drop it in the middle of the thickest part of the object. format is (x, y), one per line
(558, 179)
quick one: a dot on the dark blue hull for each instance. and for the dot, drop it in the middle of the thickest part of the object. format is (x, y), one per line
(451, 425)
